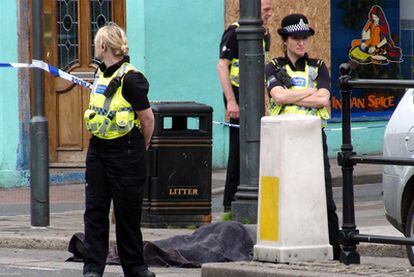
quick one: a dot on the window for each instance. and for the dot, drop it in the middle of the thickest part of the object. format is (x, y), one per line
(376, 40)
(67, 36)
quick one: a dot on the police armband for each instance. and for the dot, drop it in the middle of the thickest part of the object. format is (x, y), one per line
(270, 81)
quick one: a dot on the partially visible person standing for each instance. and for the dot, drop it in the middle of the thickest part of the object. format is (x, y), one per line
(120, 119)
(228, 73)
(300, 85)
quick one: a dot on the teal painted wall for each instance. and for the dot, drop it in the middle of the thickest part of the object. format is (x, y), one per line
(176, 44)
(9, 115)
(367, 137)
(135, 28)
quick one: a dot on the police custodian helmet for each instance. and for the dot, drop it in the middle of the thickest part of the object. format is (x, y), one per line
(295, 25)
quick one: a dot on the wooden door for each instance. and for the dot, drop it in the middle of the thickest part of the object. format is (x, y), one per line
(69, 29)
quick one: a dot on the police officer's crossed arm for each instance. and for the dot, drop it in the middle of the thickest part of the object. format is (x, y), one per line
(309, 97)
(232, 109)
(319, 99)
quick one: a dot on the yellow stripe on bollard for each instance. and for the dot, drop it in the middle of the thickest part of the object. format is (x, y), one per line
(269, 208)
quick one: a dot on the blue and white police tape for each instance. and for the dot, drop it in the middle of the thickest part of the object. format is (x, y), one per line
(16, 65)
(227, 124)
(51, 69)
(356, 128)
(326, 129)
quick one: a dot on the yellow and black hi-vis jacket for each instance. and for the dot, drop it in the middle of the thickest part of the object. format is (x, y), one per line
(300, 80)
(235, 67)
(111, 116)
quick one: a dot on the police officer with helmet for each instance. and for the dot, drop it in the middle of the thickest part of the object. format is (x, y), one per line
(120, 119)
(298, 84)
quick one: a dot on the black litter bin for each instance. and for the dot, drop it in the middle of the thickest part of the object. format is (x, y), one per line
(178, 188)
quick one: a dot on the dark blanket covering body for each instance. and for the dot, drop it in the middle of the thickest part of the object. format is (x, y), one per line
(217, 242)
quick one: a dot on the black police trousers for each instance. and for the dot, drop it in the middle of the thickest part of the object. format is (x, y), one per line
(116, 173)
(333, 224)
(233, 164)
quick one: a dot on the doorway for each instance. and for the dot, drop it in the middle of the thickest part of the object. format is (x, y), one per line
(69, 29)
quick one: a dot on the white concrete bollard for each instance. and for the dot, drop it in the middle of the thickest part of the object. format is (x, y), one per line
(292, 218)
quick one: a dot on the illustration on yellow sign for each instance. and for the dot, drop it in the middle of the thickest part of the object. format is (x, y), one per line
(376, 45)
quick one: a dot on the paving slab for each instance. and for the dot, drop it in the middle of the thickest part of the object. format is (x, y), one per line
(315, 268)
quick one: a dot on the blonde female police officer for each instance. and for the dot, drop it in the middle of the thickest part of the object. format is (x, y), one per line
(121, 122)
(300, 85)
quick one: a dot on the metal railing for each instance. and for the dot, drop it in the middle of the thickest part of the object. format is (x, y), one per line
(347, 159)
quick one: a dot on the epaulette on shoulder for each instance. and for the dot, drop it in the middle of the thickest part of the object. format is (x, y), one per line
(315, 62)
(279, 62)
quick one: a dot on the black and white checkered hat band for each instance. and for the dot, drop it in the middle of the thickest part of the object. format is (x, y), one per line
(301, 26)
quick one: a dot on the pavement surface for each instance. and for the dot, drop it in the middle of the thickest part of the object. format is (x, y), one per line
(66, 218)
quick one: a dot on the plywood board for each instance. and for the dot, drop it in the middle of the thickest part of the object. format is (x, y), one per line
(320, 21)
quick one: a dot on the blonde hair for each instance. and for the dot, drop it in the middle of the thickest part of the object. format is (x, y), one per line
(114, 38)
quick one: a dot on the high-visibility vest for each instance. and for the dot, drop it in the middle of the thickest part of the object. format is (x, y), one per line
(110, 117)
(235, 66)
(300, 80)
